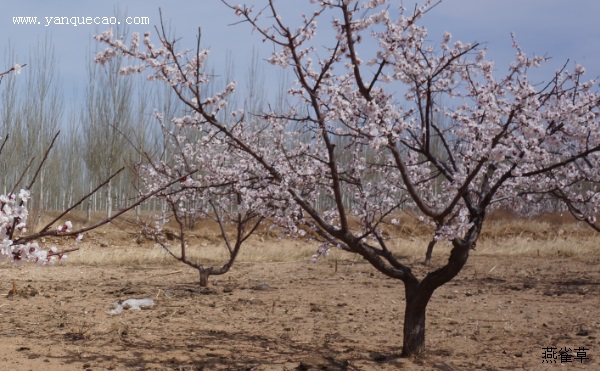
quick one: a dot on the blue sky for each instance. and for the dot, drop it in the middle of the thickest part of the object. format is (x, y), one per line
(562, 29)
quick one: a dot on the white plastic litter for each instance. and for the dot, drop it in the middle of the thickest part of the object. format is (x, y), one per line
(132, 304)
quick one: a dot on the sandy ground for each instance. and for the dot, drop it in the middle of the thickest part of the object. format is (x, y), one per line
(499, 314)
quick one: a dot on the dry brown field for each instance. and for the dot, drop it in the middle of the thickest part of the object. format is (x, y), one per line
(531, 285)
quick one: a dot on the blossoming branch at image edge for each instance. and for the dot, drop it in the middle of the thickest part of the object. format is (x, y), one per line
(77, 21)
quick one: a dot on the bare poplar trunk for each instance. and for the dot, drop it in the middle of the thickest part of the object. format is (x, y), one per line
(109, 199)
(41, 200)
(70, 200)
(88, 216)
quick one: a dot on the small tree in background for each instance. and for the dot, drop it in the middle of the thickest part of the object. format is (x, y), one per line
(211, 191)
(357, 144)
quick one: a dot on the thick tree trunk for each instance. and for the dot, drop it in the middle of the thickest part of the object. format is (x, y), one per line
(414, 321)
(418, 294)
(204, 274)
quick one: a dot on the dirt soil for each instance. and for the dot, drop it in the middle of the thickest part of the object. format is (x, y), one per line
(499, 314)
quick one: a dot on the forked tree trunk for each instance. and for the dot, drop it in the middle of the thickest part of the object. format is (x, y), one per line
(418, 294)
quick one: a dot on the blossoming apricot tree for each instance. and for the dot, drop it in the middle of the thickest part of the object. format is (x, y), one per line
(211, 191)
(370, 132)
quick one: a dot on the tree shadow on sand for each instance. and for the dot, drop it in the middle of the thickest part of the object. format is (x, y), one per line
(214, 350)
